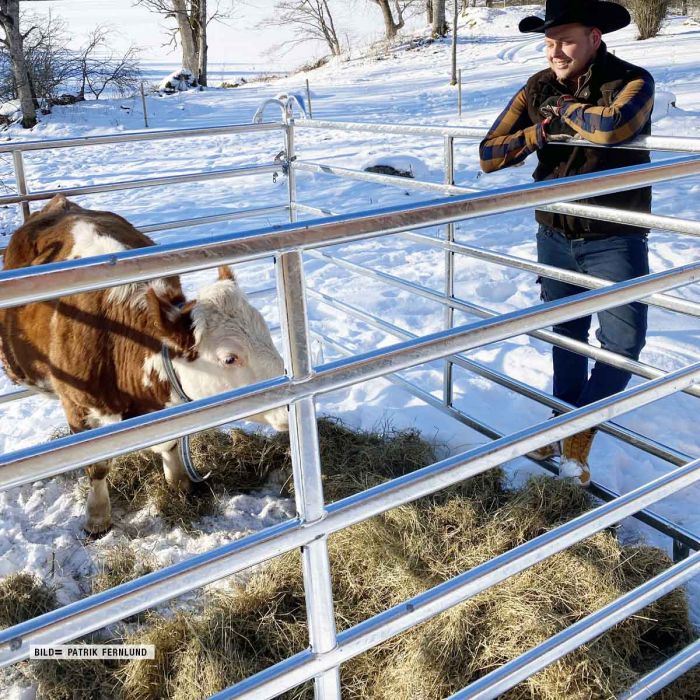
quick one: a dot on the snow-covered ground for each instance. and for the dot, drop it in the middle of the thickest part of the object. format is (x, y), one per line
(41, 524)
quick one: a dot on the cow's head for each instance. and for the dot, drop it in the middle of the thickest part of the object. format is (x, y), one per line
(220, 342)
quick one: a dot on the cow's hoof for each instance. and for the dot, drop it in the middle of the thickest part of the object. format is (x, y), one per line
(97, 527)
(182, 486)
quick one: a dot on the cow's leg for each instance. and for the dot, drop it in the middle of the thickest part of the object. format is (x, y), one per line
(173, 466)
(98, 515)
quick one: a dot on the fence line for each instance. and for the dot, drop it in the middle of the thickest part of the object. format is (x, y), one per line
(317, 520)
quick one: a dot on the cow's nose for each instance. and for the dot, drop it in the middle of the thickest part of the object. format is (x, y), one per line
(278, 418)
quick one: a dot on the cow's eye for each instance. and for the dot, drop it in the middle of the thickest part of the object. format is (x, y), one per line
(230, 360)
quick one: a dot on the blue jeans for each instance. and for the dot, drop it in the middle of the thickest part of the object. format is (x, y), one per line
(622, 330)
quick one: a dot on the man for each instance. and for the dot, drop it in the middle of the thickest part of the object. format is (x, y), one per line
(589, 93)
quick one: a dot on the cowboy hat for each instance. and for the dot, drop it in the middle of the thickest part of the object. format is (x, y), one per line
(606, 16)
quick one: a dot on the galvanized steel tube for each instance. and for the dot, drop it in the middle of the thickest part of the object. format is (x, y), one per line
(449, 155)
(664, 674)
(306, 466)
(224, 173)
(680, 144)
(150, 135)
(214, 219)
(21, 180)
(70, 277)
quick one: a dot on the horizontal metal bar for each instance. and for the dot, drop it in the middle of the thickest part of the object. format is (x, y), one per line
(664, 674)
(423, 607)
(17, 395)
(71, 277)
(627, 217)
(654, 520)
(214, 219)
(663, 301)
(150, 135)
(619, 216)
(406, 183)
(224, 173)
(41, 461)
(105, 608)
(502, 679)
(317, 211)
(647, 143)
(624, 434)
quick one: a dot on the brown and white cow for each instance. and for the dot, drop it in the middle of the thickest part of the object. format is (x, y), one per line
(100, 352)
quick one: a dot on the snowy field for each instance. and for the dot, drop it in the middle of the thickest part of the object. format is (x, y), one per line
(41, 525)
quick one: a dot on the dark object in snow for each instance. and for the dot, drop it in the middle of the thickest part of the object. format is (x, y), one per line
(179, 81)
(67, 99)
(389, 170)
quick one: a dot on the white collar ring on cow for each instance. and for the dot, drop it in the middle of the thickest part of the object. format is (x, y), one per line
(184, 442)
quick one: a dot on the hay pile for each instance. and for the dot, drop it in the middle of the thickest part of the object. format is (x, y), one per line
(242, 461)
(23, 596)
(382, 562)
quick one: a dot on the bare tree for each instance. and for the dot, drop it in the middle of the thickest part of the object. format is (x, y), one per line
(13, 41)
(439, 18)
(101, 69)
(192, 18)
(311, 19)
(391, 25)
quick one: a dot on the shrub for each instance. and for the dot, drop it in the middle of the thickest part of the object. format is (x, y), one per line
(648, 15)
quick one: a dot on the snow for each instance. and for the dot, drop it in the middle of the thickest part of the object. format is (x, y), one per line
(40, 531)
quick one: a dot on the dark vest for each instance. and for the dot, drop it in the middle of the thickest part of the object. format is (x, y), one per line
(607, 77)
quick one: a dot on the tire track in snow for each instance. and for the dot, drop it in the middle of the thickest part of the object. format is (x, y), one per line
(512, 53)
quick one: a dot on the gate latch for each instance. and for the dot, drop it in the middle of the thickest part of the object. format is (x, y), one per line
(282, 159)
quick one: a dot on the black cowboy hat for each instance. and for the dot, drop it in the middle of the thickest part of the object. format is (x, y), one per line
(607, 16)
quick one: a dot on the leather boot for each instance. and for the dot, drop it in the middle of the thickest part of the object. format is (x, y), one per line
(574, 457)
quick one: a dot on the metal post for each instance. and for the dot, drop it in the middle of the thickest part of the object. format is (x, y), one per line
(308, 99)
(680, 551)
(291, 174)
(143, 102)
(449, 270)
(306, 466)
(21, 180)
(459, 96)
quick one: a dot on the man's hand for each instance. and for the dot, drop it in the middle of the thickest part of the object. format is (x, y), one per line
(552, 106)
(556, 129)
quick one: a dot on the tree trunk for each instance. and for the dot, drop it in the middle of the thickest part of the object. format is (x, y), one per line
(429, 11)
(439, 20)
(188, 41)
(390, 26)
(9, 20)
(328, 27)
(453, 79)
(203, 48)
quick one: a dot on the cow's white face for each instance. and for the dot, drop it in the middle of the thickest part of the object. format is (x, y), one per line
(234, 348)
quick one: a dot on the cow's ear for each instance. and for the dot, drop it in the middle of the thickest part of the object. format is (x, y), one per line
(173, 324)
(226, 273)
(57, 204)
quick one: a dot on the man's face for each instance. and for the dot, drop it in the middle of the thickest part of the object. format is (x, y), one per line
(570, 49)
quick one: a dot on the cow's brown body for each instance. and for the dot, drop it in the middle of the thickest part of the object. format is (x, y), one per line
(98, 352)
(86, 349)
